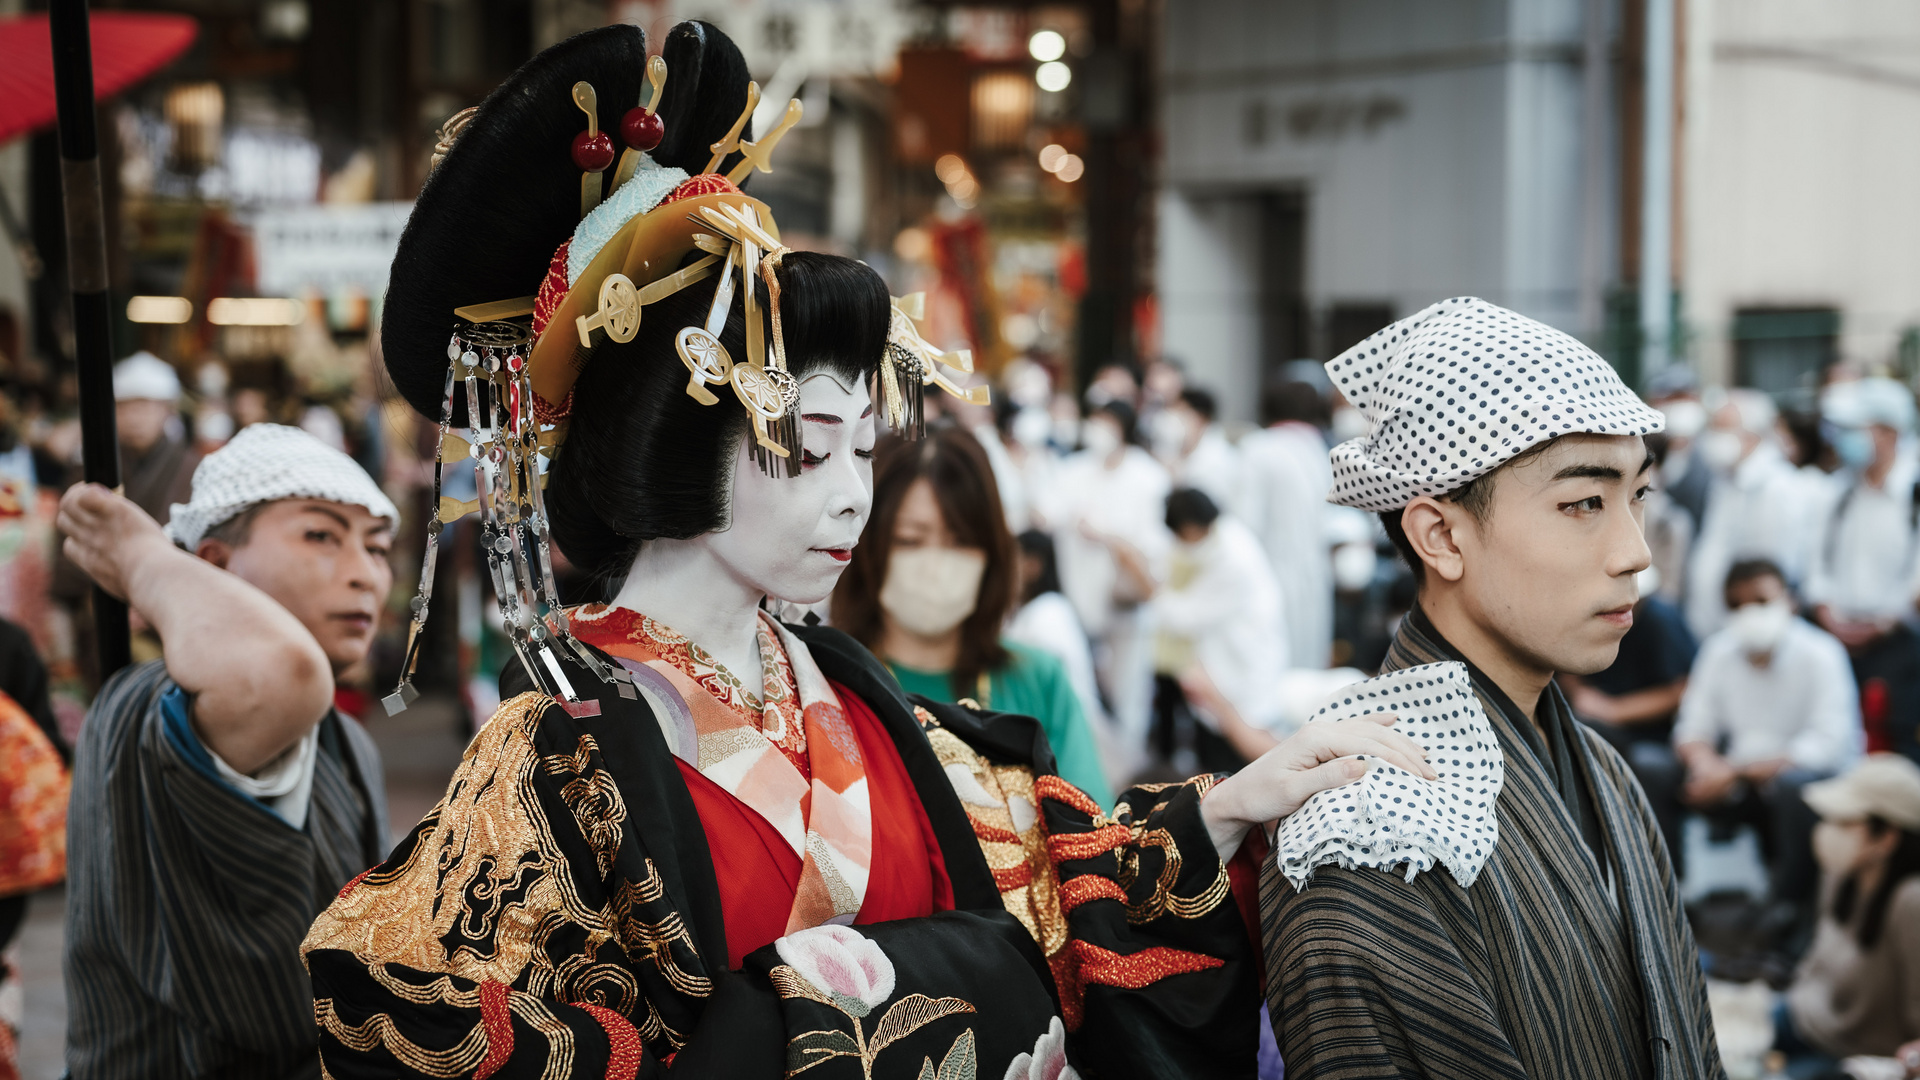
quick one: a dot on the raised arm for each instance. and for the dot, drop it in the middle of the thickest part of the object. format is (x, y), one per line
(259, 679)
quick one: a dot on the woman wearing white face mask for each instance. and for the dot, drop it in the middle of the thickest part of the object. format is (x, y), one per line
(930, 587)
(1858, 989)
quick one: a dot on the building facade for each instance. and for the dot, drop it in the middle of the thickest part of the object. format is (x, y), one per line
(1331, 166)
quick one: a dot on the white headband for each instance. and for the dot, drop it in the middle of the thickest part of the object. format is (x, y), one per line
(1460, 389)
(265, 463)
(145, 377)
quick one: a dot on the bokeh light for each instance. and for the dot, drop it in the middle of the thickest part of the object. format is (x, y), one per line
(1047, 45)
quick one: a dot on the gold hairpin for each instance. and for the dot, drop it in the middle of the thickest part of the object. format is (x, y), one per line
(731, 141)
(592, 148)
(759, 154)
(642, 128)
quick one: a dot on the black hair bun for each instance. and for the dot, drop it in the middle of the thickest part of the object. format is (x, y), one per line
(508, 193)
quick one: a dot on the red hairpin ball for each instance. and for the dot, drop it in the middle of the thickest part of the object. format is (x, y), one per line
(592, 148)
(592, 151)
(642, 128)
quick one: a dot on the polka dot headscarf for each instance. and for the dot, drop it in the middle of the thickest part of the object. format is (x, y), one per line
(1390, 818)
(1459, 389)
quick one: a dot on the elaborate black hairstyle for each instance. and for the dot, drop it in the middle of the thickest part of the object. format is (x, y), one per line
(641, 459)
(508, 193)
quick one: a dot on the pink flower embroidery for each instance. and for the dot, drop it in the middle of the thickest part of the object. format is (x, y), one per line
(841, 962)
(1048, 1060)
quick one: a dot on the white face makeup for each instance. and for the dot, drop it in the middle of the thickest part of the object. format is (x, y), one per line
(791, 537)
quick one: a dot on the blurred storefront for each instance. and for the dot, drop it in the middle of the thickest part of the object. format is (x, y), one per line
(997, 158)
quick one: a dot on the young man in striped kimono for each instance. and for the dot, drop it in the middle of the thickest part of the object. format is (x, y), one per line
(219, 799)
(1506, 462)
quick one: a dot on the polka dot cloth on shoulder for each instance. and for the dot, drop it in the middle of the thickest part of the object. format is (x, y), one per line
(1459, 389)
(1392, 818)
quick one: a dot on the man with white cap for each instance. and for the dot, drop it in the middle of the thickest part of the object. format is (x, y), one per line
(1862, 582)
(156, 464)
(222, 800)
(1760, 506)
(1507, 463)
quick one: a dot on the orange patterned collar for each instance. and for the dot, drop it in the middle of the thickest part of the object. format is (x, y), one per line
(775, 710)
(813, 791)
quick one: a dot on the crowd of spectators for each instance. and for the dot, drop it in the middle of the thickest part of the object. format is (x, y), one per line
(1168, 593)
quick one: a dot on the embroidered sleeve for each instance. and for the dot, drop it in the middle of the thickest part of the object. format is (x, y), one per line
(1150, 958)
(507, 936)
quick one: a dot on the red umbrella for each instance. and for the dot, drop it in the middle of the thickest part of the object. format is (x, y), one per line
(127, 47)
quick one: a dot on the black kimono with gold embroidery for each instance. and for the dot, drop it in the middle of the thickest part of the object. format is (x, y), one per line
(557, 915)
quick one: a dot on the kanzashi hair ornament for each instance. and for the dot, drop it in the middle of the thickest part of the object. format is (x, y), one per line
(759, 153)
(517, 386)
(769, 394)
(911, 363)
(488, 362)
(785, 430)
(592, 148)
(642, 128)
(730, 142)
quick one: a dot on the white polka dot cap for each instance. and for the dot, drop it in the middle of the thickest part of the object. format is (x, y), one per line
(1391, 818)
(1461, 388)
(265, 463)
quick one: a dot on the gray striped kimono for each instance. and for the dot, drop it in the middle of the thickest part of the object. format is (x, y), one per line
(187, 900)
(1556, 965)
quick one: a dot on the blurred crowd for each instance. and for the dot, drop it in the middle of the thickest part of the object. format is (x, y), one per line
(1193, 588)
(1170, 594)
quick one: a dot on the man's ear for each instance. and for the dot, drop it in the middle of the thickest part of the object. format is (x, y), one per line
(217, 552)
(1430, 524)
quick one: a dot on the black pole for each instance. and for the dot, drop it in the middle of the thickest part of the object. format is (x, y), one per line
(87, 277)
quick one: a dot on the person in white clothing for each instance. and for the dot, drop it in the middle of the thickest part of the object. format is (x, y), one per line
(1862, 581)
(1285, 481)
(1109, 499)
(1759, 507)
(1771, 707)
(1219, 611)
(1046, 621)
(1194, 449)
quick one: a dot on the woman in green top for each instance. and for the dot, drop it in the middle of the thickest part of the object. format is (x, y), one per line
(930, 587)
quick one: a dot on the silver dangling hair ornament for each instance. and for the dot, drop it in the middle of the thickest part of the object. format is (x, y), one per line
(506, 447)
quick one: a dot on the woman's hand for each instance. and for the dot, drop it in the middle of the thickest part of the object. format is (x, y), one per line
(1311, 760)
